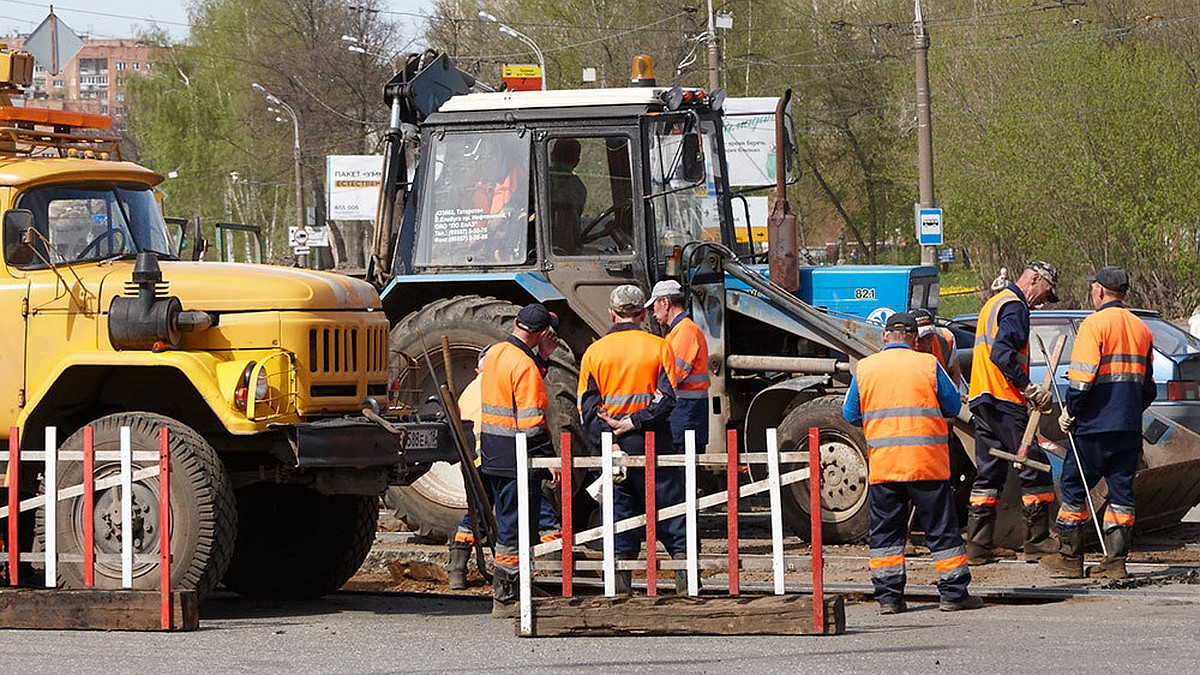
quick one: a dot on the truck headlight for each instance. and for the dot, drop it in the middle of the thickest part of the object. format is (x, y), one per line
(241, 395)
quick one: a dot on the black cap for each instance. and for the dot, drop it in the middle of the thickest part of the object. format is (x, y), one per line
(1112, 278)
(901, 321)
(536, 317)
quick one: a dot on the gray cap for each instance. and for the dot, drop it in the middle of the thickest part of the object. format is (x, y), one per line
(1112, 278)
(627, 299)
(1047, 272)
(664, 289)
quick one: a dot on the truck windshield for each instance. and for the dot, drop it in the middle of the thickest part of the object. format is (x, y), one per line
(693, 212)
(88, 223)
(475, 201)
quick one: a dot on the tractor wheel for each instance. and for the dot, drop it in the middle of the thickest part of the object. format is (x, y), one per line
(203, 517)
(845, 517)
(435, 503)
(294, 542)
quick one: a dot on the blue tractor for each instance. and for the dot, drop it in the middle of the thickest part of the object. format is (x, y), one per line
(560, 196)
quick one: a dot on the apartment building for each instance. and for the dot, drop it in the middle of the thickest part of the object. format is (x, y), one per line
(94, 81)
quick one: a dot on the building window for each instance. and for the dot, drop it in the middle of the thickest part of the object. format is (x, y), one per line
(120, 96)
(58, 84)
(120, 65)
(147, 65)
(120, 82)
(136, 65)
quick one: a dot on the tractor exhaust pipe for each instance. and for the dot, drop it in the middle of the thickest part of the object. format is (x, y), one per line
(784, 267)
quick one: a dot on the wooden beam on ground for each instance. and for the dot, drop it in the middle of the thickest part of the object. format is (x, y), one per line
(683, 615)
(60, 609)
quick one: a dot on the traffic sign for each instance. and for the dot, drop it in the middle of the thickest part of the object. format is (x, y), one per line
(929, 226)
(303, 237)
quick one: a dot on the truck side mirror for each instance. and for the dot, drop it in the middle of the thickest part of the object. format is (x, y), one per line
(17, 225)
(693, 158)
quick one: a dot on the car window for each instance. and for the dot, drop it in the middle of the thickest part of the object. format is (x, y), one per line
(1171, 339)
(1049, 330)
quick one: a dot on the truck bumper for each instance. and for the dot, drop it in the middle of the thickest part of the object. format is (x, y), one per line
(357, 442)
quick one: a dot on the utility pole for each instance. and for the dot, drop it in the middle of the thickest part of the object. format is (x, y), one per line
(714, 56)
(924, 130)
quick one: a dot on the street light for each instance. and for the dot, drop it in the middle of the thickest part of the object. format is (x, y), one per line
(514, 33)
(272, 98)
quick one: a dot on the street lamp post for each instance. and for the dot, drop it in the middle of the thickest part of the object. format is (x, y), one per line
(514, 33)
(272, 98)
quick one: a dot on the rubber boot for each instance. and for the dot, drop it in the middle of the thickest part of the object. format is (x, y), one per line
(1038, 542)
(456, 570)
(681, 584)
(1117, 542)
(1068, 562)
(981, 528)
(624, 578)
(504, 593)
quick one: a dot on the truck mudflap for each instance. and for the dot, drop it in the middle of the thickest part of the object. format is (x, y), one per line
(362, 442)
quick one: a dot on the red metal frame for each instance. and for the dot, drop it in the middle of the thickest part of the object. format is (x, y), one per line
(814, 508)
(731, 509)
(164, 523)
(651, 518)
(568, 518)
(14, 467)
(89, 500)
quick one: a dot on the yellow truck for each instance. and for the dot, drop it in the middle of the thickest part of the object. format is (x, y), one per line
(269, 379)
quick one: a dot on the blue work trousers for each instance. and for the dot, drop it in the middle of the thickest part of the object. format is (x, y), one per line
(934, 504)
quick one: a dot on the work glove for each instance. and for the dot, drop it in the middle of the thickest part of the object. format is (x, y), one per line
(1066, 422)
(1039, 396)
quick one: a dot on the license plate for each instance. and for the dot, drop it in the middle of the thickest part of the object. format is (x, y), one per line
(422, 439)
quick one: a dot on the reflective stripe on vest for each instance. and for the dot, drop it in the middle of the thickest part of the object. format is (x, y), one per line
(626, 366)
(986, 377)
(691, 359)
(902, 421)
(513, 400)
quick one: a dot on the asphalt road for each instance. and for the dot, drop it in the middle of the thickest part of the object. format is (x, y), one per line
(362, 633)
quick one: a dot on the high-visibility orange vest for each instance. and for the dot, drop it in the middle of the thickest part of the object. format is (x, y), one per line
(902, 420)
(986, 377)
(512, 400)
(691, 359)
(943, 346)
(626, 365)
(1113, 345)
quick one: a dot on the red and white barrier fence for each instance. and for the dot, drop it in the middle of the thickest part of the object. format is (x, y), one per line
(690, 508)
(50, 458)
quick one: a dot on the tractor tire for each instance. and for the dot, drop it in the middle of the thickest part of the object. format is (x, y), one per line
(845, 517)
(296, 543)
(433, 505)
(203, 516)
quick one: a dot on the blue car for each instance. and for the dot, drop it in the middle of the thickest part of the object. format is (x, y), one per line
(1176, 357)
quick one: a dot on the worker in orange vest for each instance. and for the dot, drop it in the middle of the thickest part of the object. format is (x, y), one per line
(1112, 382)
(687, 341)
(626, 386)
(939, 341)
(514, 401)
(470, 408)
(999, 392)
(901, 397)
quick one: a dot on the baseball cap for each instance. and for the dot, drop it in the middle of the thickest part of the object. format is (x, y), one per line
(1047, 272)
(664, 289)
(924, 321)
(901, 321)
(1111, 277)
(535, 317)
(627, 299)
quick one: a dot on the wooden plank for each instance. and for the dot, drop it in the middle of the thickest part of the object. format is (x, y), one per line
(55, 609)
(683, 615)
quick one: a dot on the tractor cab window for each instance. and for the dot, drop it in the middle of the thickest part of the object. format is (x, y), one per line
(475, 201)
(686, 208)
(89, 223)
(590, 189)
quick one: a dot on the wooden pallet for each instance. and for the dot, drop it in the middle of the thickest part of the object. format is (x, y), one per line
(60, 609)
(683, 615)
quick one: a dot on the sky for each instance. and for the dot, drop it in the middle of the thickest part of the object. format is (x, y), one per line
(110, 19)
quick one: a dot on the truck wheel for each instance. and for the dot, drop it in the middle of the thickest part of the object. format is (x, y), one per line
(294, 542)
(845, 517)
(435, 503)
(203, 519)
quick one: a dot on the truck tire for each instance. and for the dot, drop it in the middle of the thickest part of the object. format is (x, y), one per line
(295, 543)
(845, 517)
(203, 517)
(434, 504)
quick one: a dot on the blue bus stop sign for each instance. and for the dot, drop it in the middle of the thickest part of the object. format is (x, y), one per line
(929, 227)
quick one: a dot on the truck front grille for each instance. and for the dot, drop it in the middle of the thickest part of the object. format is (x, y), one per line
(347, 349)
